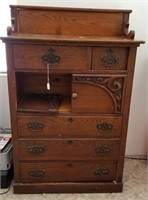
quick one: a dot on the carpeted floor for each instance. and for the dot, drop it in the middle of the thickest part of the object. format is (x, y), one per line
(135, 187)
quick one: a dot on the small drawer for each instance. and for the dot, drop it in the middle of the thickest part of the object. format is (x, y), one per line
(65, 149)
(109, 58)
(69, 126)
(67, 171)
(58, 57)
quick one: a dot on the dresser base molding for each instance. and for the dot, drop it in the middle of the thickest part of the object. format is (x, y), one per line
(60, 187)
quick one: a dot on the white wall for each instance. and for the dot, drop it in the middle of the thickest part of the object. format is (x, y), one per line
(136, 141)
(4, 104)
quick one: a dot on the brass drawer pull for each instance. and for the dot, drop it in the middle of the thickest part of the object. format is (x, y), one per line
(110, 59)
(103, 149)
(51, 57)
(101, 171)
(36, 173)
(35, 126)
(104, 126)
(36, 149)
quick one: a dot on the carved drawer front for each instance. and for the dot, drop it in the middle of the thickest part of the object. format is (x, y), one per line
(98, 93)
(67, 171)
(109, 58)
(69, 126)
(63, 149)
(57, 57)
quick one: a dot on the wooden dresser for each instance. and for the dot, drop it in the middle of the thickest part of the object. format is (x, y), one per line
(70, 74)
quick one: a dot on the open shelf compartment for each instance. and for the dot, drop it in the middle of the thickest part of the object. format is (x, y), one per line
(33, 95)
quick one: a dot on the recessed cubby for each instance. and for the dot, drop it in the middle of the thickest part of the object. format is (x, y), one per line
(33, 95)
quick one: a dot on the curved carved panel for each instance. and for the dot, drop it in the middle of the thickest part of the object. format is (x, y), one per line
(113, 85)
(128, 34)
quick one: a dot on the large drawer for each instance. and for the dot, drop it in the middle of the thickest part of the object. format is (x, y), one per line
(67, 171)
(110, 58)
(69, 126)
(65, 149)
(58, 57)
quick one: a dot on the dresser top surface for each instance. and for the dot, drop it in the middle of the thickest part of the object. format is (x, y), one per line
(18, 37)
(71, 9)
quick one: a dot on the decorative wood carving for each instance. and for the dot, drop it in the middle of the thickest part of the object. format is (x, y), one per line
(9, 30)
(130, 35)
(113, 85)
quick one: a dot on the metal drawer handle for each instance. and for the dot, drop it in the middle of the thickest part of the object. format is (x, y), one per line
(36, 149)
(110, 59)
(103, 149)
(35, 126)
(104, 126)
(101, 171)
(51, 57)
(36, 173)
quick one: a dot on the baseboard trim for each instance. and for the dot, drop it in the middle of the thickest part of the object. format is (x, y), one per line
(138, 157)
(71, 187)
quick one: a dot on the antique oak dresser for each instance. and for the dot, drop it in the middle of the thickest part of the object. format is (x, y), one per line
(70, 74)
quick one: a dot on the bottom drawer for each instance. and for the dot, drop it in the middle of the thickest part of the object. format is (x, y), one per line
(67, 171)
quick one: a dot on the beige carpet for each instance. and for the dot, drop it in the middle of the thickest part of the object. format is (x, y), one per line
(135, 187)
